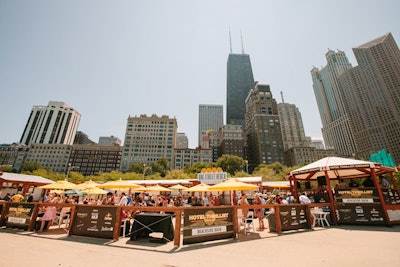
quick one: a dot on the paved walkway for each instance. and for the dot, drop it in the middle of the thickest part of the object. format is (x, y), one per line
(335, 246)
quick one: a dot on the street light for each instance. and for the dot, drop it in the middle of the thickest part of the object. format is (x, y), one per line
(69, 168)
(144, 170)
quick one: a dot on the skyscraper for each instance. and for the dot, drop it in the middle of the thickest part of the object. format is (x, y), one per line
(148, 139)
(336, 128)
(55, 123)
(372, 94)
(211, 117)
(240, 81)
(293, 134)
(264, 137)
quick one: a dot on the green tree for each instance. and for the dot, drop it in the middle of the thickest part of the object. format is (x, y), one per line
(176, 175)
(29, 167)
(136, 167)
(161, 166)
(231, 164)
(6, 168)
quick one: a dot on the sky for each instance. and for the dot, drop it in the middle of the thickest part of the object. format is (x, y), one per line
(113, 59)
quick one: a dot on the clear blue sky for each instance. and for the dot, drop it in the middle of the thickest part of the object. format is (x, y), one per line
(112, 59)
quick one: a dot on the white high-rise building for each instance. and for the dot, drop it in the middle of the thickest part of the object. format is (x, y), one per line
(211, 117)
(148, 139)
(55, 123)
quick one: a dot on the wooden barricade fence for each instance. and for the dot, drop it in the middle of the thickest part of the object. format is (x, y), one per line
(178, 211)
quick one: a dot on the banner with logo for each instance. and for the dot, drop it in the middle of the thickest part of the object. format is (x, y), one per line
(357, 195)
(207, 224)
(19, 215)
(364, 214)
(95, 221)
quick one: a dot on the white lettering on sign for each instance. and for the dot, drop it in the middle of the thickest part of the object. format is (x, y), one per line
(358, 200)
(209, 230)
(16, 220)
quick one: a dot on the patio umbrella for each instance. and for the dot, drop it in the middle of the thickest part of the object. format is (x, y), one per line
(231, 185)
(87, 184)
(198, 188)
(61, 185)
(178, 187)
(95, 191)
(119, 184)
(155, 188)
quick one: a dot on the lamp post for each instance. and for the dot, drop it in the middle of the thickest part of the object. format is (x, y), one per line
(69, 168)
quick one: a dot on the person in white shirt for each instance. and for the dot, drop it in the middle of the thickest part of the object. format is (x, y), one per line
(303, 199)
(123, 201)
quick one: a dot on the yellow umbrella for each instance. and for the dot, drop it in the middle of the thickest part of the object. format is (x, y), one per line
(95, 191)
(119, 184)
(178, 187)
(198, 188)
(87, 184)
(231, 185)
(61, 185)
(155, 188)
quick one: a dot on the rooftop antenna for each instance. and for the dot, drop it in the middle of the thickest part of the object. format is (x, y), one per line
(241, 38)
(283, 100)
(230, 39)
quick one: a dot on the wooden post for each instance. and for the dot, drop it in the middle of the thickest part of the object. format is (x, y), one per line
(331, 198)
(117, 226)
(178, 226)
(278, 226)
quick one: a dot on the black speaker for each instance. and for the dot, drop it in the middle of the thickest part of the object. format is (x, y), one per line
(308, 185)
(321, 180)
(298, 185)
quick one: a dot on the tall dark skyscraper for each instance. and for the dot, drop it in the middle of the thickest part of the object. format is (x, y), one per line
(240, 81)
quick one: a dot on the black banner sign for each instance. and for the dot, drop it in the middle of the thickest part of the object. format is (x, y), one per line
(95, 221)
(207, 224)
(357, 195)
(19, 215)
(293, 217)
(360, 214)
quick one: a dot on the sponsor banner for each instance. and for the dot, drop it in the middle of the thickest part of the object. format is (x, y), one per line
(357, 195)
(207, 224)
(19, 215)
(212, 177)
(95, 221)
(360, 214)
(293, 217)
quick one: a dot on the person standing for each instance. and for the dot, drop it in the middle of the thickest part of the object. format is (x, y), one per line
(18, 197)
(303, 199)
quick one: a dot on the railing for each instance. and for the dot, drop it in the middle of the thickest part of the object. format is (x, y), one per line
(178, 211)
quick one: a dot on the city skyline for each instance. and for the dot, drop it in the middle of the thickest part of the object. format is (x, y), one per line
(111, 61)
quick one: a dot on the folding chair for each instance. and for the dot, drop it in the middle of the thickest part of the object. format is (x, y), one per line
(64, 215)
(249, 221)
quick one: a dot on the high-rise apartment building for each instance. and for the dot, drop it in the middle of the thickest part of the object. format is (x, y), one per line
(336, 127)
(109, 141)
(148, 139)
(240, 81)
(231, 141)
(264, 137)
(211, 117)
(187, 157)
(293, 134)
(372, 94)
(55, 123)
(92, 159)
(182, 141)
(50, 156)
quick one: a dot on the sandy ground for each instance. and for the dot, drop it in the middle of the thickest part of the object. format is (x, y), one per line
(335, 246)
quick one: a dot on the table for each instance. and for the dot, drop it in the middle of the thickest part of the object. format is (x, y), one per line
(146, 223)
(320, 217)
